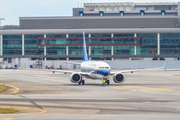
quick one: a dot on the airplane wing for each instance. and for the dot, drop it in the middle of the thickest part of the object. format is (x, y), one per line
(62, 71)
(70, 72)
(127, 71)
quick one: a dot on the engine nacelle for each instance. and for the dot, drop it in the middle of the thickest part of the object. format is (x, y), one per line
(118, 78)
(75, 77)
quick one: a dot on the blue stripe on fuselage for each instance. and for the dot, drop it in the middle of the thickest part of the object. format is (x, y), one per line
(103, 72)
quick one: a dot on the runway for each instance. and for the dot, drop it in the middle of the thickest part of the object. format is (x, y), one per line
(153, 94)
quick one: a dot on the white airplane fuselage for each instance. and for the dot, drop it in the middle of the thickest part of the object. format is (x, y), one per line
(96, 70)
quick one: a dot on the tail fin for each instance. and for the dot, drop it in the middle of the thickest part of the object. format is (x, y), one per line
(84, 48)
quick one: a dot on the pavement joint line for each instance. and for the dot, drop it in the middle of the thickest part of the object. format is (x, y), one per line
(19, 107)
(32, 102)
(17, 89)
(56, 80)
(163, 102)
(49, 77)
(52, 77)
(50, 72)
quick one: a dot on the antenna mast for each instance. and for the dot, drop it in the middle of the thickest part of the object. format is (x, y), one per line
(0, 21)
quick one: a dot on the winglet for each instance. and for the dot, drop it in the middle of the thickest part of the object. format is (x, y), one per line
(84, 48)
(164, 65)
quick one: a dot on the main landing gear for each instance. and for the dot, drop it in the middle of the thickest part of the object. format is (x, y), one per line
(107, 82)
(82, 82)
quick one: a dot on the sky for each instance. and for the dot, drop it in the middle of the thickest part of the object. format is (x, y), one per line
(11, 10)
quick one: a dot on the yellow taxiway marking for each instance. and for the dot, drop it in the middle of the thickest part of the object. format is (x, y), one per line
(128, 86)
(158, 89)
(17, 89)
(135, 90)
(18, 108)
(6, 118)
(163, 103)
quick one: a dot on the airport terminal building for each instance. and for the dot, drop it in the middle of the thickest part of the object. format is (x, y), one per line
(114, 31)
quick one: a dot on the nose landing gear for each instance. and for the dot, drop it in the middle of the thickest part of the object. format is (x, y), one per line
(105, 81)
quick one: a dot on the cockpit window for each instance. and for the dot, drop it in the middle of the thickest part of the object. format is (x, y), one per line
(104, 67)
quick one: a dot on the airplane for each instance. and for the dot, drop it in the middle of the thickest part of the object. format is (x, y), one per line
(96, 70)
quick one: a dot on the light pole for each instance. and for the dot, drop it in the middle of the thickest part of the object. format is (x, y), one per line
(0, 21)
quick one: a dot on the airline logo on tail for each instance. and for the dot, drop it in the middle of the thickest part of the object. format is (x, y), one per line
(84, 48)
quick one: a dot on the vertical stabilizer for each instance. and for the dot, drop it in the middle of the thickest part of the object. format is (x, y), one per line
(84, 48)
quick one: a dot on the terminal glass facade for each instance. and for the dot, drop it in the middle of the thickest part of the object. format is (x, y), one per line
(77, 35)
(74, 41)
(12, 44)
(100, 50)
(77, 50)
(56, 50)
(124, 50)
(100, 35)
(170, 43)
(56, 35)
(148, 44)
(63, 41)
(30, 45)
(99, 41)
(124, 35)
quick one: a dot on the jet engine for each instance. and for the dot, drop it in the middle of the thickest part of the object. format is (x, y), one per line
(75, 78)
(118, 78)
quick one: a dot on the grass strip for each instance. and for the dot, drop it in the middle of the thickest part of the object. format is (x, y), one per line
(7, 111)
(2, 88)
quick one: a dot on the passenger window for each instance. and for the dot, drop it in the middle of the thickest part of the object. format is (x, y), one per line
(104, 67)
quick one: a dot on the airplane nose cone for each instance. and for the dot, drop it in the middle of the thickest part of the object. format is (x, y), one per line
(106, 73)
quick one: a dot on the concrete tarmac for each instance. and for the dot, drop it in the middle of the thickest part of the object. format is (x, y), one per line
(40, 94)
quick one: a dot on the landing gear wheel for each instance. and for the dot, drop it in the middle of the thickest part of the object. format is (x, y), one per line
(83, 82)
(107, 82)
